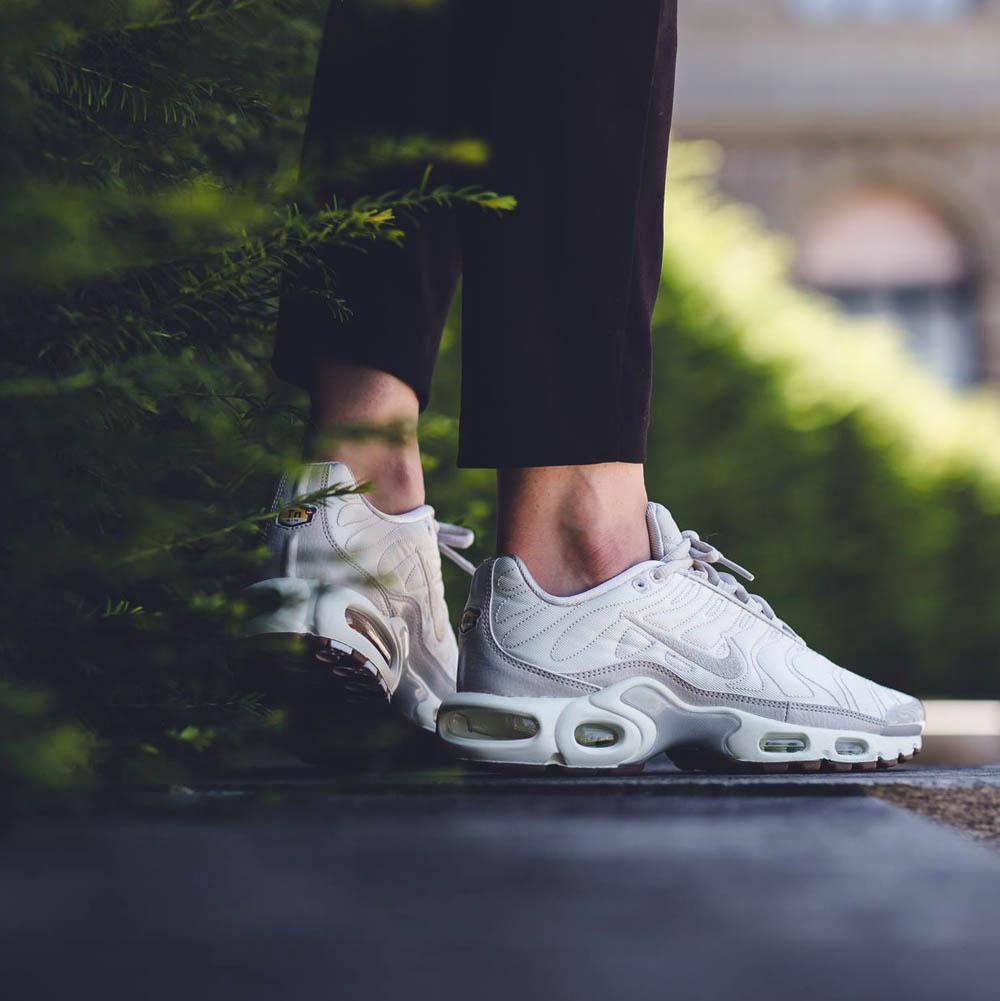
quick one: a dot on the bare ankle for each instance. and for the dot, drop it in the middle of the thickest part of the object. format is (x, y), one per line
(367, 419)
(574, 526)
(395, 473)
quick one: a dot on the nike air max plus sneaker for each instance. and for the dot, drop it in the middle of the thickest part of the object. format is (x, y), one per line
(355, 596)
(670, 655)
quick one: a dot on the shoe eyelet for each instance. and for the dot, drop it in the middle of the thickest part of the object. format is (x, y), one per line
(639, 583)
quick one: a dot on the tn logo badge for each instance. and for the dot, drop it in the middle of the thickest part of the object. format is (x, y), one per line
(298, 514)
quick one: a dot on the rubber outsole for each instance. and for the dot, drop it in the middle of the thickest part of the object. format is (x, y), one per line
(695, 760)
(700, 761)
(292, 666)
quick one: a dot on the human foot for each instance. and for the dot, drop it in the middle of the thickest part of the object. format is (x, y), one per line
(668, 655)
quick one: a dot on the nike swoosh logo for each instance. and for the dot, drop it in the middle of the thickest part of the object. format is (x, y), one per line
(732, 666)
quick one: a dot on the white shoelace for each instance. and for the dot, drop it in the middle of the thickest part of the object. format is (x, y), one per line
(693, 552)
(451, 537)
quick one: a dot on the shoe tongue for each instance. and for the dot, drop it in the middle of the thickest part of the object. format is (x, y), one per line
(663, 530)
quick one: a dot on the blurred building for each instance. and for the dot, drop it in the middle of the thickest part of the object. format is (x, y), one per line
(869, 130)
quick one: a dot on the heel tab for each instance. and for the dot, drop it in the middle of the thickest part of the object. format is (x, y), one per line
(310, 478)
(497, 571)
(482, 579)
(481, 589)
(512, 576)
(330, 474)
(501, 577)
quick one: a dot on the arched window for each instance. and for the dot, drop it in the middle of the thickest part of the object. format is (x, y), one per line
(880, 251)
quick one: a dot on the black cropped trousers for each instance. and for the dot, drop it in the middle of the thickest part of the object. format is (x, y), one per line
(574, 99)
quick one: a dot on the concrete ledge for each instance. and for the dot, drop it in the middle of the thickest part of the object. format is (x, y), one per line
(961, 732)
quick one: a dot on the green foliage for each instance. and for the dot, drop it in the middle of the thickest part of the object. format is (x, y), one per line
(149, 168)
(41, 754)
(814, 450)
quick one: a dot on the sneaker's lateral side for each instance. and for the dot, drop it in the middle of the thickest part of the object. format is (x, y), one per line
(670, 655)
(353, 597)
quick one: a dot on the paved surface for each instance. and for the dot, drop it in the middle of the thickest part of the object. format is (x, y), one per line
(659, 777)
(290, 885)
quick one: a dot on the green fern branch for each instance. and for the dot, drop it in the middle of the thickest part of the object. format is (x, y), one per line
(248, 521)
(176, 100)
(225, 286)
(198, 11)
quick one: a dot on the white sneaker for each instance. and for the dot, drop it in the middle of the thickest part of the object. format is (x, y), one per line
(359, 595)
(668, 656)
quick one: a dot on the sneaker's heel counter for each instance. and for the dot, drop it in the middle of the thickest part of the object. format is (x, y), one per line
(474, 632)
(277, 541)
(298, 531)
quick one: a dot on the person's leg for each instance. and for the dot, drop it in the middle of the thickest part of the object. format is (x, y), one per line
(558, 296)
(350, 607)
(382, 72)
(574, 526)
(367, 418)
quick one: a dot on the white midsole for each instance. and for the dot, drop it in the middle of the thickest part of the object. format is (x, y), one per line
(639, 735)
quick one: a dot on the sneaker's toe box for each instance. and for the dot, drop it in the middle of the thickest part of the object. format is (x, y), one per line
(906, 717)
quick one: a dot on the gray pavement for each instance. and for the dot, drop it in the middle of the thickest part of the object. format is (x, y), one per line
(291, 884)
(659, 776)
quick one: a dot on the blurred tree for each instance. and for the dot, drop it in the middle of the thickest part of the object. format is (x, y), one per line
(149, 176)
(862, 490)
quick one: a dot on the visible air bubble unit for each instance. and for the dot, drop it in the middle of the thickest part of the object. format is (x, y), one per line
(597, 734)
(783, 743)
(366, 625)
(850, 745)
(474, 723)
